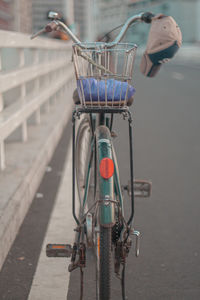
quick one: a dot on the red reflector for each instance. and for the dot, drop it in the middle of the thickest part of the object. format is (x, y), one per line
(106, 168)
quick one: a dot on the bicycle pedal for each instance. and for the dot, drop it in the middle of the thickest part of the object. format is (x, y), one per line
(89, 230)
(58, 250)
(142, 188)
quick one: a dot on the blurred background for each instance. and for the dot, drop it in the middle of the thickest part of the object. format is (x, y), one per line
(36, 84)
(93, 18)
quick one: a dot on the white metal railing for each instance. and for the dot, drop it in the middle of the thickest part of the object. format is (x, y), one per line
(42, 64)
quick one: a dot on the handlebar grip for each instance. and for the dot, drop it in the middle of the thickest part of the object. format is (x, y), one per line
(51, 27)
(147, 17)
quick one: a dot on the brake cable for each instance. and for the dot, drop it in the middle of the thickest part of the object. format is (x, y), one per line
(114, 30)
(110, 32)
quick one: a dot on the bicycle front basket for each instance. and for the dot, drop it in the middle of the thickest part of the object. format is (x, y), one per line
(104, 74)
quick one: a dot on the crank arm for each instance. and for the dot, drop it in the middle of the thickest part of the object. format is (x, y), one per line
(73, 266)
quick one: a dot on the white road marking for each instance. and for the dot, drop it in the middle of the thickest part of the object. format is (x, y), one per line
(178, 76)
(51, 278)
(48, 169)
(39, 195)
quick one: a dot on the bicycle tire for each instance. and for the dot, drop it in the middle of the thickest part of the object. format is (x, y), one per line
(104, 236)
(103, 243)
(105, 263)
(83, 138)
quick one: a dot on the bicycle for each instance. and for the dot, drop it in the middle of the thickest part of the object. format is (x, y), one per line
(103, 72)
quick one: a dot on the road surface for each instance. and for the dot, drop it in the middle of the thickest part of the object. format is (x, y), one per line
(167, 150)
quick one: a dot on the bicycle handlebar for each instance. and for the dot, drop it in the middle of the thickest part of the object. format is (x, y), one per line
(52, 26)
(56, 24)
(145, 17)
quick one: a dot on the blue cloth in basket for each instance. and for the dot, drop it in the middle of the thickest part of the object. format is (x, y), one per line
(116, 90)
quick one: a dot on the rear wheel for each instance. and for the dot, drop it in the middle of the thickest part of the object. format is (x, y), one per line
(104, 236)
(83, 145)
(103, 263)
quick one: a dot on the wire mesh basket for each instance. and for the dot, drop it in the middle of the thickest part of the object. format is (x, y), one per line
(104, 74)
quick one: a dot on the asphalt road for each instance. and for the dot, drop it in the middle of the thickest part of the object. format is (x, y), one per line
(166, 150)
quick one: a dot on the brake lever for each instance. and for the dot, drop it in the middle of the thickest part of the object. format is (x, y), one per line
(38, 33)
(52, 26)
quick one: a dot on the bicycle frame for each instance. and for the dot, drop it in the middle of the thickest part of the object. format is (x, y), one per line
(56, 24)
(105, 150)
(103, 224)
(106, 193)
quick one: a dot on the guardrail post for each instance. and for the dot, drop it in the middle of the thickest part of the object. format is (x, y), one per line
(24, 124)
(0, 61)
(2, 146)
(35, 56)
(24, 131)
(37, 112)
(47, 82)
(47, 104)
(23, 95)
(21, 58)
(36, 85)
(2, 156)
(1, 97)
(1, 102)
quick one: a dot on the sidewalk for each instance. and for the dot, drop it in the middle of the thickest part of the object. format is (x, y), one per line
(51, 278)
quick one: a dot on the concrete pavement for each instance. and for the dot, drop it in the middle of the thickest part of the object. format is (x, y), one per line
(51, 278)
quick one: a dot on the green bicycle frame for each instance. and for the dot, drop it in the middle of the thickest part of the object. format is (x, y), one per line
(106, 191)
